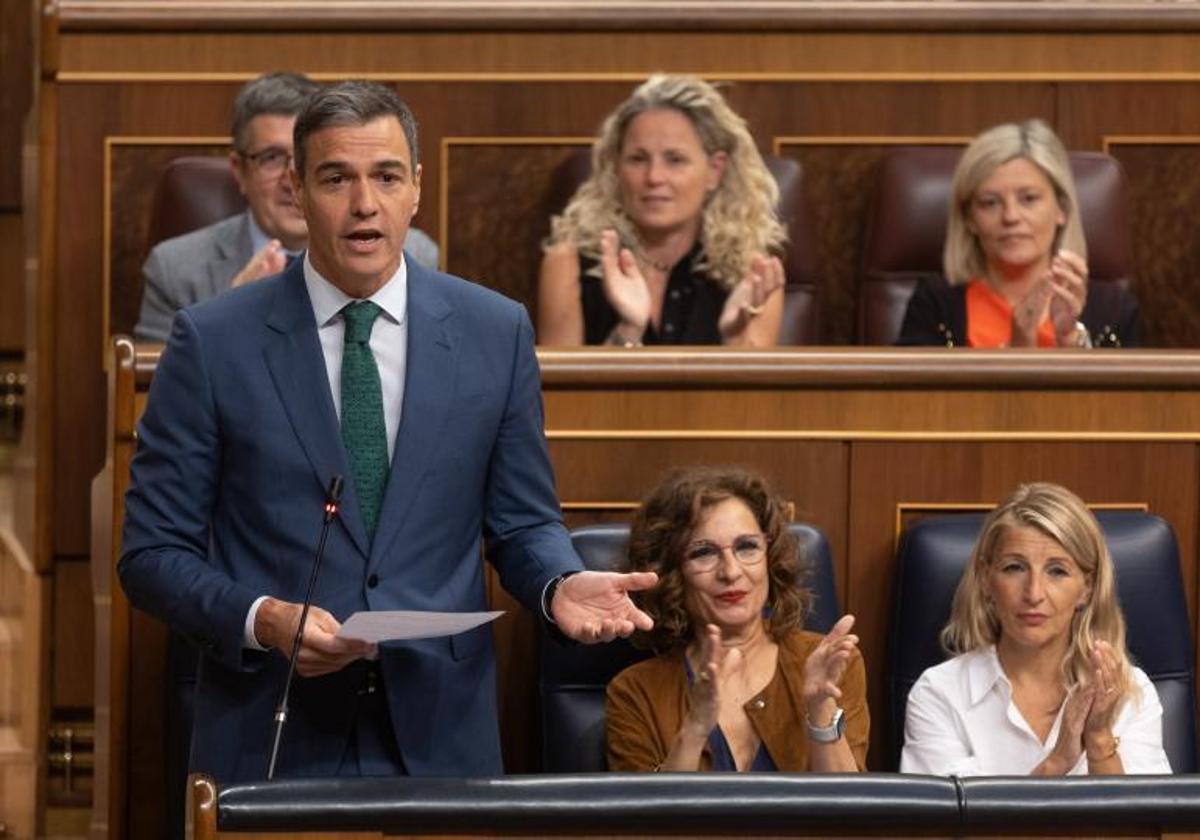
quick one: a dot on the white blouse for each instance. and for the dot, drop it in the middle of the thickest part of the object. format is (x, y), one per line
(961, 721)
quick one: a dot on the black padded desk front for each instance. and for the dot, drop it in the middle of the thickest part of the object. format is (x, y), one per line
(701, 805)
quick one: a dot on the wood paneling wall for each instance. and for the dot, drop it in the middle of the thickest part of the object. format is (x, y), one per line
(503, 91)
(16, 96)
(12, 285)
(489, 151)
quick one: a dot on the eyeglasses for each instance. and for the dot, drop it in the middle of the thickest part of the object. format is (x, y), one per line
(270, 161)
(704, 555)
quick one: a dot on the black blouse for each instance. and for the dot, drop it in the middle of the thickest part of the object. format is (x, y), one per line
(691, 308)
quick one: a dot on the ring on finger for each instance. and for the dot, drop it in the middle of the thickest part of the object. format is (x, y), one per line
(753, 310)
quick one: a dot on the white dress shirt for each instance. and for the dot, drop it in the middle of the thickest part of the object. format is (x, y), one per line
(961, 721)
(389, 344)
(389, 339)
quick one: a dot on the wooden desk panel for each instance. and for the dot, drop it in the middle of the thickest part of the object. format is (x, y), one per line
(857, 440)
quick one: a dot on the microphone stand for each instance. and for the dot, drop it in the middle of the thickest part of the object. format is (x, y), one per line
(332, 498)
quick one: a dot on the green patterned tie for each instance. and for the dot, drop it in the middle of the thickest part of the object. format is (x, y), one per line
(363, 429)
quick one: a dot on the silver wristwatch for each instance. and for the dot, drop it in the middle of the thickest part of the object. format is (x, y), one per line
(827, 734)
(1079, 336)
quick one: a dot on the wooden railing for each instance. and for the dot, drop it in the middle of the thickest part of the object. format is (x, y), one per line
(22, 677)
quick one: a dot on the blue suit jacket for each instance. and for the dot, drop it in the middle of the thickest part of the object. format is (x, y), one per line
(237, 444)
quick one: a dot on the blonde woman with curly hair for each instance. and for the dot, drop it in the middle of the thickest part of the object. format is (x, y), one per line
(1015, 257)
(738, 684)
(1041, 682)
(674, 236)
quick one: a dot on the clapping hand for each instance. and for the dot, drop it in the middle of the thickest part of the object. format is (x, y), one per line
(825, 667)
(1097, 729)
(1060, 293)
(271, 259)
(596, 607)
(624, 287)
(1088, 717)
(1069, 745)
(1029, 313)
(1068, 282)
(717, 669)
(749, 296)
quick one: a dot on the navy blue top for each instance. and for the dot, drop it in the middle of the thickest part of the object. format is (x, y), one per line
(722, 756)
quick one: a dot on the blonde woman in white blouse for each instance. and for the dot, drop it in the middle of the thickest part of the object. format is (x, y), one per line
(1041, 683)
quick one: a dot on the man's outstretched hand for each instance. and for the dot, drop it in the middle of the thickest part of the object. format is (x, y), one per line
(596, 607)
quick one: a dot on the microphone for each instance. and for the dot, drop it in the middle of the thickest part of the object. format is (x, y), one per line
(332, 497)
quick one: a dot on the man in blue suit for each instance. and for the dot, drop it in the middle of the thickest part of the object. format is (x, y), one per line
(423, 390)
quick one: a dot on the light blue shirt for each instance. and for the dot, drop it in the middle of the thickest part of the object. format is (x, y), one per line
(259, 240)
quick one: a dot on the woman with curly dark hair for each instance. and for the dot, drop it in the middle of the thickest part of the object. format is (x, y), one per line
(738, 684)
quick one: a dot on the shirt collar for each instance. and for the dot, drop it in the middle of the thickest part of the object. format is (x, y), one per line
(259, 239)
(328, 300)
(984, 673)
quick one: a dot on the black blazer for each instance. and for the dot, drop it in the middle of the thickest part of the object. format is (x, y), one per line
(937, 315)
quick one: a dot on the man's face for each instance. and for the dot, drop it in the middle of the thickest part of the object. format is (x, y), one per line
(359, 191)
(261, 171)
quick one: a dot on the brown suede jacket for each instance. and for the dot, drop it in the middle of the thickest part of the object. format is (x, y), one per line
(647, 702)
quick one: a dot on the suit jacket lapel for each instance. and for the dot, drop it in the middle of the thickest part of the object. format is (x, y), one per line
(297, 368)
(431, 367)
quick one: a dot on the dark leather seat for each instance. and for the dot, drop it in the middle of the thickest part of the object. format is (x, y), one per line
(572, 678)
(801, 315)
(193, 192)
(906, 229)
(933, 554)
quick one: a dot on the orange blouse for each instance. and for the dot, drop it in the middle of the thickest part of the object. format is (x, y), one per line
(989, 319)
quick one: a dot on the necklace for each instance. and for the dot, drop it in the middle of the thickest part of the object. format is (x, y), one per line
(658, 265)
(664, 267)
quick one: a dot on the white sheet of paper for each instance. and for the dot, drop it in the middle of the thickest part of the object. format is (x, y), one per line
(390, 625)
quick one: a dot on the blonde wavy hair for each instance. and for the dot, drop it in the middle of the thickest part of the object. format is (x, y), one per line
(739, 220)
(1061, 515)
(962, 257)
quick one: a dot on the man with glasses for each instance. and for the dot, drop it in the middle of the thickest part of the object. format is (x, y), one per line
(258, 242)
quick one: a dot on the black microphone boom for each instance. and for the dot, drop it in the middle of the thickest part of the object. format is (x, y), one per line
(332, 497)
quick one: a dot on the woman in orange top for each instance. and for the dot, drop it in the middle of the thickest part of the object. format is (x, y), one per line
(1015, 258)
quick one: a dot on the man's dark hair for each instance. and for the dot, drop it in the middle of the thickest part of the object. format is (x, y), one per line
(348, 104)
(275, 93)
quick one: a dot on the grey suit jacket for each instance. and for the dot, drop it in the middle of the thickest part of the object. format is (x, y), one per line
(201, 264)
(188, 269)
